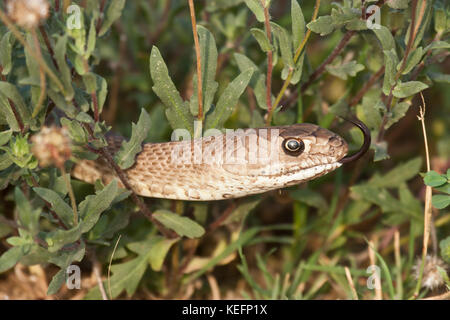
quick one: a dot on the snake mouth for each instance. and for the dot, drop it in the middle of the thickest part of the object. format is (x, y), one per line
(365, 146)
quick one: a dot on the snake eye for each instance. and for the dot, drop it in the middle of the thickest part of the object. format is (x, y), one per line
(293, 146)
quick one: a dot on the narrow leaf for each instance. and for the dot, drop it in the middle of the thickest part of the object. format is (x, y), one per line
(93, 206)
(407, 89)
(113, 12)
(298, 24)
(181, 225)
(61, 208)
(126, 155)
(228, 100)
(177, 111)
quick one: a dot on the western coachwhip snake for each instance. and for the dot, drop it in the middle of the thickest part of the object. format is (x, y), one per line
(243, 163)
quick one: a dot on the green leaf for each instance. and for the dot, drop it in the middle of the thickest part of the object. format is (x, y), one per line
(296, 77)
(407, 89)
(181, 225)
(370, 107)
(258, 80)
(439, 77)
(57, 282)
(386, 39)
(9, 91)
(90, 82)
(208, 53)
(62, 104)
(380, 197)
(440, 19)
(5, 136)
(257, 9)
(102, 92)
(298, 24)
(6, 45)
(228, 101)
(391, 61)
(10, 258)
(64, 259)
(309, 197)
(91, 208)
(398, 4)
(159, 251)
(350, 68)
(5, 161)
(126, 276)
(323, 25)
(126, 155)
(434, 179)
(66, 76)
(59, 238)
(445, 249)
(61, 208)
(92, 38)
(28, 217)
(413, 59)
(113, 12)
(262, 39)
(436, 45)
(177, 111)
(285, 42)
(398, 112)
(243, 239)
(356, 24)
(440, 201)
(401, 173)
(239, 213)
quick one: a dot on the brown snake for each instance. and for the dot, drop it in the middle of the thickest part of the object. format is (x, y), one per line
(249, 161)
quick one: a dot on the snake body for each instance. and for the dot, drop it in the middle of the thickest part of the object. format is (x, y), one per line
(249, 161)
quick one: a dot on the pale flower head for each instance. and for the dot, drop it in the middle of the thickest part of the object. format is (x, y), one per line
(432, 277)
(28, 13)
(51, 146)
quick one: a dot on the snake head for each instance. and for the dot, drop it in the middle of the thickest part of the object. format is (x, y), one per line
(297, 153)
(309, 149)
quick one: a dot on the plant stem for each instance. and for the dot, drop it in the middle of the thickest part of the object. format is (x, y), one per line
(48, 45)
(321, 69)
(95, 103)
(17, 116)
(428, 207)
(412, 36)
(373, 79)
(100, 19)
(163, 22)
(298, 52)
(218, 222)
(270, 110)
(199, 61)
(57, 5)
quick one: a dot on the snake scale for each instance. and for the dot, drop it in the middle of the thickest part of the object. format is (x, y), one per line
(249, 161)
